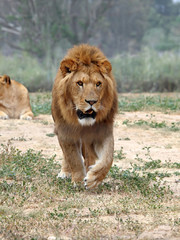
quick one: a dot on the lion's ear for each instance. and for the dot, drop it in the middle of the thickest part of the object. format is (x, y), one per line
(6, 79)
(67, 66)
(105, 67)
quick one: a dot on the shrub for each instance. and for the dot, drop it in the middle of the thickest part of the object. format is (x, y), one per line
(147, 71)
(28, 71)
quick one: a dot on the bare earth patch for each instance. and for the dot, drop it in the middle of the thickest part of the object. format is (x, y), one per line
(135, 143)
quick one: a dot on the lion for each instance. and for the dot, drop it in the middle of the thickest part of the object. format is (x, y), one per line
(84, 104)
(14, 100)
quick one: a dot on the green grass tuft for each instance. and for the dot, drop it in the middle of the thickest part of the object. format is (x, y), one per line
(141, 102)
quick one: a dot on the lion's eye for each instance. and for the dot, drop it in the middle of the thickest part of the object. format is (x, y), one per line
(80, 83)
(98, 84)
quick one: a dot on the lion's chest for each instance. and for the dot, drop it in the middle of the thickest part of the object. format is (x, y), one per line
(86, 134)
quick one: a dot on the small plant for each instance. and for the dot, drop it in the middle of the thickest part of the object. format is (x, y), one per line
(94, 212)
(141, 102)
(21, 139)
(152, 124)
(50, 134)
(132, 180)
(154, 164)
(58, 214)
(119, 154)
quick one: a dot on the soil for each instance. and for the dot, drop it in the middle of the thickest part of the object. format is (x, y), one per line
(134, 142)
(38, 135)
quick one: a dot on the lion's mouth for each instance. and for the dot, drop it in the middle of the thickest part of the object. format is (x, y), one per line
(88, 114)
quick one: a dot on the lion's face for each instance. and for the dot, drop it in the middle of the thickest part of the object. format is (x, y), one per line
(87, 95)
(87, 91)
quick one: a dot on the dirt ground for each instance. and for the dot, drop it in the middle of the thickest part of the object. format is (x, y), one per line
(134, 142)
(37, 135)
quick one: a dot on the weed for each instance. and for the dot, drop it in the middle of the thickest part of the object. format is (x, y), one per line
(177, 173)
(170, 164)
(131, 180)
(28, 180)
(155, 102)
(119, 154)
(94, 212)
(154, 164)
(21, 139)
(50, 134)
(152, 124)
(58, 213)
(44, 122)
(124, 139)
(24, 166)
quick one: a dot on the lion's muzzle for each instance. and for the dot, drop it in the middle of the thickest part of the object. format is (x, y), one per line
(88, 114)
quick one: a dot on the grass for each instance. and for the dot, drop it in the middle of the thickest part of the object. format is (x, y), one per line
(155, 102)
(153, 124)
(36, 205)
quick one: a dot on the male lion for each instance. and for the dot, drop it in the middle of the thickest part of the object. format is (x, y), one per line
(84, 102)
(14, 100)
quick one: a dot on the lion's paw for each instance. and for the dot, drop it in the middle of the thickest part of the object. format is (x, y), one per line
(64, 175)
(78, 176)
(24, 117)
(91, 180)
(4, 117)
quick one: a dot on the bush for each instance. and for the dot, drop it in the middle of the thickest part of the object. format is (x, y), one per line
(147, 71)
(28, 71)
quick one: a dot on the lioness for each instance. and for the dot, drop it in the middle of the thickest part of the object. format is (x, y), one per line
(14, 100)
(84, 102)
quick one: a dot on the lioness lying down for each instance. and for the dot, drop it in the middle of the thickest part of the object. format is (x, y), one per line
(14, 100)
(84, 102)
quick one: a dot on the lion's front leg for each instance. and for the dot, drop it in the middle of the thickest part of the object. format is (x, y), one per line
(99, 170)
(3, 115)
(72, 164)
(89, 154)
(27, 116)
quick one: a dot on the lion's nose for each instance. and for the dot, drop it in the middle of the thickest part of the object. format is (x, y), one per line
(91, 102)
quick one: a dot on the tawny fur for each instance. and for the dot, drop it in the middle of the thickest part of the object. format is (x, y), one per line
(14, 99)
(85, 76)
